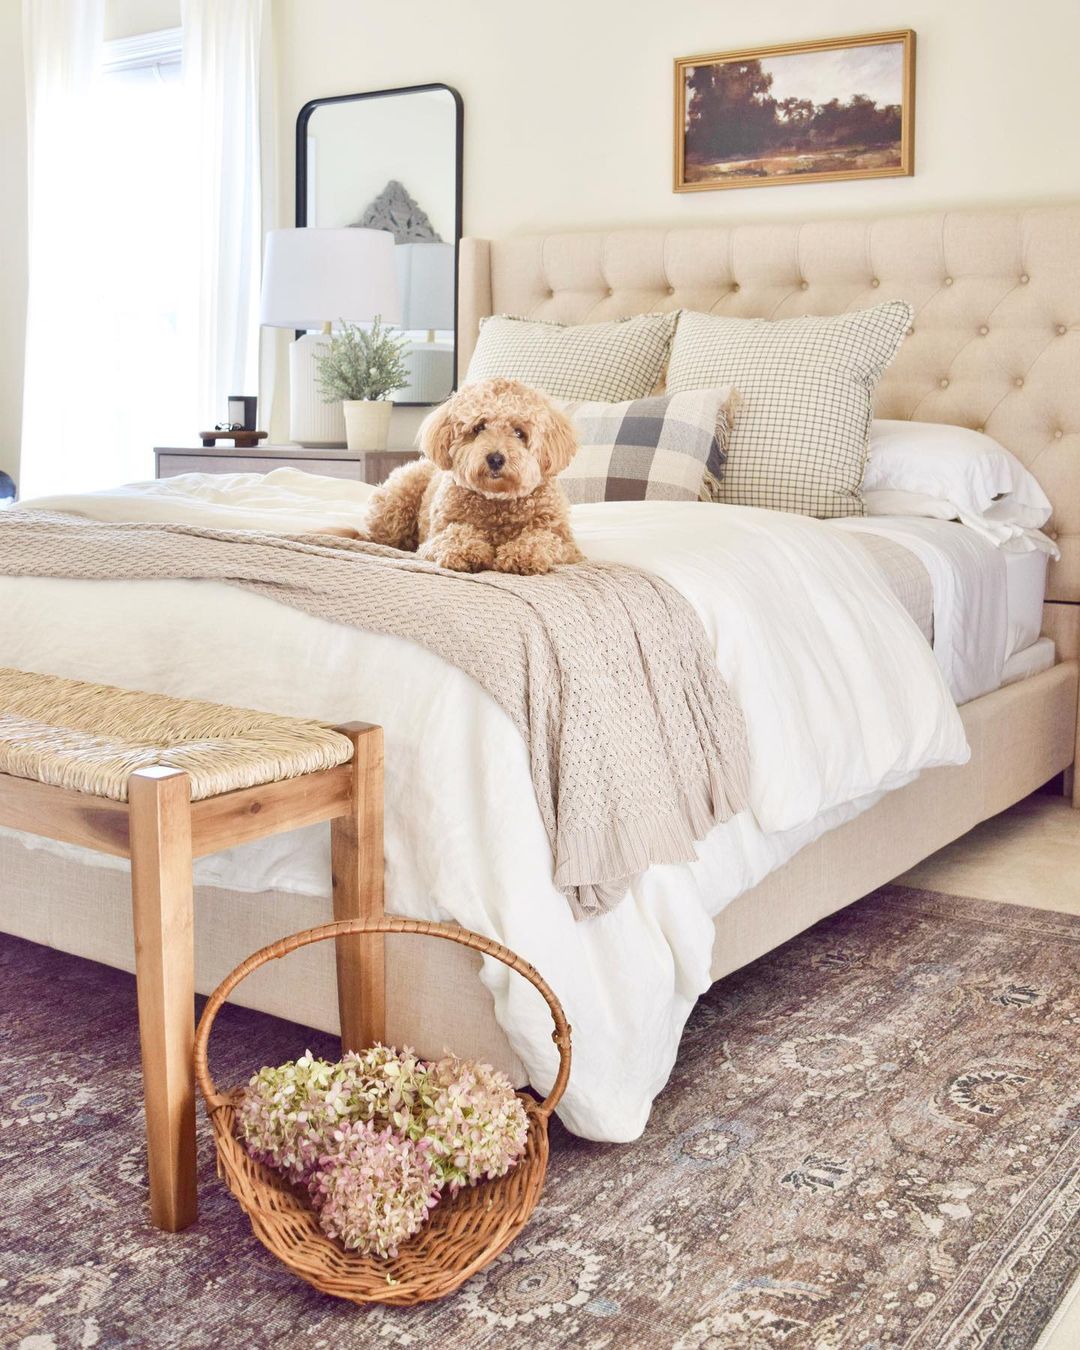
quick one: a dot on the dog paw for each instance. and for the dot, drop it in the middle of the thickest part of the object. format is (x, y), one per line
(528, 555)
(458, 555)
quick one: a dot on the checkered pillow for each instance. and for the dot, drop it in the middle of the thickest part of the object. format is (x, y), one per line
(603, 361)
(649, 449)
(806, 385)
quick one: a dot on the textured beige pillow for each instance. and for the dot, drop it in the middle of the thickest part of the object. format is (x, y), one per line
(806, 385)
(601, 362)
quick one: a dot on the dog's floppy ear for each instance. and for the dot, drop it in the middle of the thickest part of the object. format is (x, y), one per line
(436, 436)
(559, 444)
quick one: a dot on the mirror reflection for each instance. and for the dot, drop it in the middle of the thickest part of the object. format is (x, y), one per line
(392, 161)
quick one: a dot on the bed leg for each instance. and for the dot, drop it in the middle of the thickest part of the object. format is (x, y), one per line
(159, 813)
(356, 859)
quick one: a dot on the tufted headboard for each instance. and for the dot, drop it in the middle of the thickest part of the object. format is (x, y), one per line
(995, 344)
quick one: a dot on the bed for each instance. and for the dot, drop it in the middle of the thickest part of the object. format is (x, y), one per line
(996, 344)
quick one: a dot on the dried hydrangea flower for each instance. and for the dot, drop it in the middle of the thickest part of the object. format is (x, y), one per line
(373, 1189)
(285, 1114)
(345, 1130)
(388, 1085)
(477, 1126)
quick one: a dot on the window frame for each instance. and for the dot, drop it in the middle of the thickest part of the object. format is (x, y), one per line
(164, 47)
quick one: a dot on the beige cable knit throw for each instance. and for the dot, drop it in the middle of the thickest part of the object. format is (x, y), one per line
(637, 746)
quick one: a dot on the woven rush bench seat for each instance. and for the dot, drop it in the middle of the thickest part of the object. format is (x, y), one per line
(163, 781)
(92, 737)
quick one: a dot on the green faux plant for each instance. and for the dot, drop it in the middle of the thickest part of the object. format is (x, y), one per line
(362, 365)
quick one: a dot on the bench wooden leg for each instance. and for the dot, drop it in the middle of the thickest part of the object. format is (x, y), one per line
(162, 903)
(356, 858)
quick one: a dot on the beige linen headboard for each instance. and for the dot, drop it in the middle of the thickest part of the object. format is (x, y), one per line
(995, 344)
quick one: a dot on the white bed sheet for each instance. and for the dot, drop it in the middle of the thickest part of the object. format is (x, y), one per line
(842, 697)
(1025, 592)
(987, 601)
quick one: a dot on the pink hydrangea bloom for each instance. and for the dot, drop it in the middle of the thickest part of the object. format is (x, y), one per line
(373, 1189)
(377, 1136)
(477, 1126)
(287, 1115)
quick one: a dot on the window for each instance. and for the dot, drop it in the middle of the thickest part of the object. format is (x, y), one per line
(145, 233)
(145, 251)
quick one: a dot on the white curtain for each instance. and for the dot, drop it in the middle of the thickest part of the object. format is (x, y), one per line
(223, 46)
(62, 42)
(145, 241)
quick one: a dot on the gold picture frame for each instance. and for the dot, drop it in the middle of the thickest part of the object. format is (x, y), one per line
(741, 141)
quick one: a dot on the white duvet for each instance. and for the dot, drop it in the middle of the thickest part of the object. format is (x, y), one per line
(842, 697)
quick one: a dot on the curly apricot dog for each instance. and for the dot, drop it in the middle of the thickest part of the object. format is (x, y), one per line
(485, 498)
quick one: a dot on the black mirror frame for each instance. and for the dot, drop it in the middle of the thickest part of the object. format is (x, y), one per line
(302, 119)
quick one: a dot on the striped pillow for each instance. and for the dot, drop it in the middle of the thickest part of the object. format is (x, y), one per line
(649, 449)
(807, 388)
(600, 361)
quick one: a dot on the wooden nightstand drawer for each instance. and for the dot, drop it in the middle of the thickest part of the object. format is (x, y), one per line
(370, 467)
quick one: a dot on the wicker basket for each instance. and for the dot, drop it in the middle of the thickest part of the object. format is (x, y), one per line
(465, 1231)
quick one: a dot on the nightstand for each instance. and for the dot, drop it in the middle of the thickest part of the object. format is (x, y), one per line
(370, 466)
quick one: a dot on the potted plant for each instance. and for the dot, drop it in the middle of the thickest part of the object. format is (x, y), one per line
(363, 368)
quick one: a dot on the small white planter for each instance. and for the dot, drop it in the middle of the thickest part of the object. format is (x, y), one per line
(367, 423)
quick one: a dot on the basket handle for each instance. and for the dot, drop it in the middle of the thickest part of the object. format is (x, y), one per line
(346, 928)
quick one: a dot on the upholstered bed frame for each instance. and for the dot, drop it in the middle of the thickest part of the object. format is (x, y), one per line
(995, 345)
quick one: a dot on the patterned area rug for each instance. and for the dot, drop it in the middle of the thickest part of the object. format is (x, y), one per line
(871, 1139)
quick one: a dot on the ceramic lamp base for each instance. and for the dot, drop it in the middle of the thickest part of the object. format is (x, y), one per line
(431, 373)
(311, 421)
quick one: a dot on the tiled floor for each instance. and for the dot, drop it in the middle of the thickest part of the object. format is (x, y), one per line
(1030, 855)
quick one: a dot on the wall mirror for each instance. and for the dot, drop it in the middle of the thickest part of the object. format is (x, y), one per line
(391, 160)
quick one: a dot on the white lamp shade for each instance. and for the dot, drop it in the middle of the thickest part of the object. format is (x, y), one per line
(426, 279)
(315, 276)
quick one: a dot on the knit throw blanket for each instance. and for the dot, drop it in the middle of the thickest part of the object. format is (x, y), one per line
(637, 746)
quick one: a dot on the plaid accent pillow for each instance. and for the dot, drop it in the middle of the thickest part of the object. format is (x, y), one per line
(649, 449)
(602, 361)
(807, 387)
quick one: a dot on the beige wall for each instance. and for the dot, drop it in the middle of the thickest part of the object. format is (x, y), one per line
(129, 18)
(568, 104)
(12, 234)
(568, 109)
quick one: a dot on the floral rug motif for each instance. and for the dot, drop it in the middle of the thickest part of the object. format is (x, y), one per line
(871, 1138)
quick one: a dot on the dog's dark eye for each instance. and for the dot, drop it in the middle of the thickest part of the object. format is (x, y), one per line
(519, 433)
(480, 426)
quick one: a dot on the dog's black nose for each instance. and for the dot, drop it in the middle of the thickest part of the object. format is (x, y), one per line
(495, 461)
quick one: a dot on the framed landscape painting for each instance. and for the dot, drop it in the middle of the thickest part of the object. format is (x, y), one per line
(810, 112)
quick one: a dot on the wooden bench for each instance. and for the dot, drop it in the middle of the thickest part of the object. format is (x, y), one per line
(163, 781)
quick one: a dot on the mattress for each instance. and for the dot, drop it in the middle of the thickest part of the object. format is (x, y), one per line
(1029, 661)
(984, 603)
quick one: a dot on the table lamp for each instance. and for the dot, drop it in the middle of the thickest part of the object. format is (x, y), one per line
(313, 278)
(426, 281)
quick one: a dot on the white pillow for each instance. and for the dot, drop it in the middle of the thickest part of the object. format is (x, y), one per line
(954, 473)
